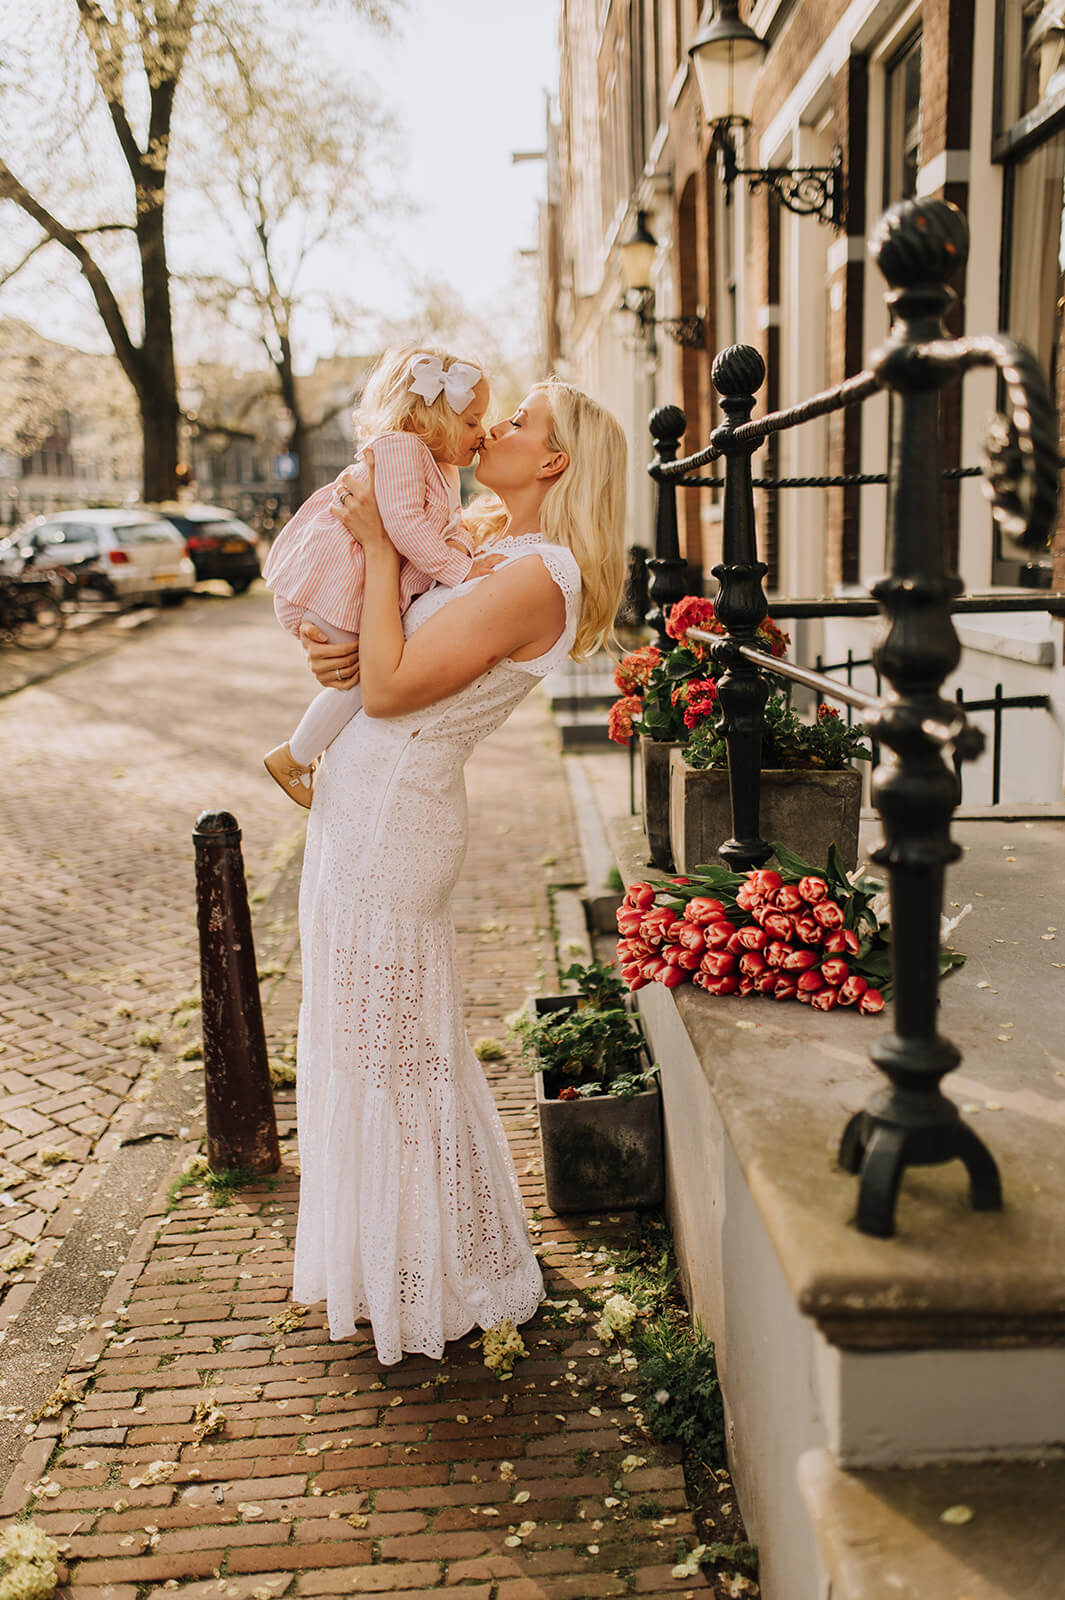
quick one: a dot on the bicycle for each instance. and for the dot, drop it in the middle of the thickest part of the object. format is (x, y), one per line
(30, 615)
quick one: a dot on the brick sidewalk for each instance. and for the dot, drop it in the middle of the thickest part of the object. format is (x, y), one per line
(106, 768)
(333, 1476)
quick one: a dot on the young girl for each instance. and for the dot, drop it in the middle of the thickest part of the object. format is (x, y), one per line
(423, 413)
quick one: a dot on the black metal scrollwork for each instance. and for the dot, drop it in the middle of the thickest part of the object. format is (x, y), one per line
(919, 245)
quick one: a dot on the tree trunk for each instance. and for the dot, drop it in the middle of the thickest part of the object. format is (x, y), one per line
(159, 432)
(157, 391)
(302, 486)
(299, 444)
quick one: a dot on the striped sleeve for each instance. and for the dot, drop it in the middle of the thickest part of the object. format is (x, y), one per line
(416, 522)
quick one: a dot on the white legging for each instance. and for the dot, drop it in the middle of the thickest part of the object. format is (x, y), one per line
(330, 710)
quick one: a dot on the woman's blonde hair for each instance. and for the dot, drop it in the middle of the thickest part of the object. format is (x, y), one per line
(584, 509)
(387, 404)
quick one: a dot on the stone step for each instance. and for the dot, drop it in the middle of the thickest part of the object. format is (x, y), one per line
(581, 728)
(882, 1535)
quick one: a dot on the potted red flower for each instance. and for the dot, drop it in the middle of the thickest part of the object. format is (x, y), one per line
(663, 696)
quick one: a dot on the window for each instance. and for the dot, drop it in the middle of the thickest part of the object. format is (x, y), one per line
(1032, 143)
(129, 534)
(902, 131)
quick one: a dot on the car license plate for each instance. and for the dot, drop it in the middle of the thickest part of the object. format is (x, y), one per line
(165, 577)
(233, 547)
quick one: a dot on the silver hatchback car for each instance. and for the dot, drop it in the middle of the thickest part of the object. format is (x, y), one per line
(123, 555)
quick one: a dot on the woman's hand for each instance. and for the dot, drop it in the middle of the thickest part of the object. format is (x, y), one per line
(354, 503)
(336, 666)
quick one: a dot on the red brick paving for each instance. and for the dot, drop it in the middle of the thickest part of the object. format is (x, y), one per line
(334, 1476)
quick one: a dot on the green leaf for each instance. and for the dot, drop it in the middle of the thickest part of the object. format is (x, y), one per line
(837, 872)
(948, 960)
(794, 866)
(875, 964)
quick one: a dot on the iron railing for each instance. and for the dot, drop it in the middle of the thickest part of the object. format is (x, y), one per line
(918, 246)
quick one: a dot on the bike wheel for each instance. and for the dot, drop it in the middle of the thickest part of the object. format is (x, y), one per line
(40, 623)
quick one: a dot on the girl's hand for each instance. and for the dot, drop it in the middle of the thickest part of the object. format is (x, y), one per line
(483, 564)
(355, 505)
(336, 666)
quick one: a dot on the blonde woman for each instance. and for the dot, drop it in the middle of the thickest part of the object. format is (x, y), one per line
(410, 1213)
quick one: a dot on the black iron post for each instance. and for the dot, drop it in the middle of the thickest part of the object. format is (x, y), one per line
(740, 606)
(667, 569)
(918, 246)
(241, 1127)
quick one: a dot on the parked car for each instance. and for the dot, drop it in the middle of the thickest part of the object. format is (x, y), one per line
(218, 543)
(123, 555)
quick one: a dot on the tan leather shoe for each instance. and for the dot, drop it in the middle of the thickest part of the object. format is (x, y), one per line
(297, 781)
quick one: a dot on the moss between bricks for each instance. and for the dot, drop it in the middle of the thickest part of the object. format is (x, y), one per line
(676, 1378)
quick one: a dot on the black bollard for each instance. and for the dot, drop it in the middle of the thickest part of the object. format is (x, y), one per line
(241, 1126)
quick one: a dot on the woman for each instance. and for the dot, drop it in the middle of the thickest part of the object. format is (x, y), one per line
(410, 1213)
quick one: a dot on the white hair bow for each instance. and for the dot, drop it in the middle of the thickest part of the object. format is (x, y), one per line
(458, 383)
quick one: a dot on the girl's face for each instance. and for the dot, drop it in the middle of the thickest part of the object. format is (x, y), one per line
(472, 421)
(515, 450)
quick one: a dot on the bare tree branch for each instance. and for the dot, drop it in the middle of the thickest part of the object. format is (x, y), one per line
(106, 303)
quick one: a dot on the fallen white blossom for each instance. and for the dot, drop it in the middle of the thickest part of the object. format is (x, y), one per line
(690, 1567)
(28, 1568)
(616, 1319)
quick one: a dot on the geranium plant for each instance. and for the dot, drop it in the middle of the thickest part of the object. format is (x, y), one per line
(794, 932)
(593, 1047)
(667, 696)
(787, 741)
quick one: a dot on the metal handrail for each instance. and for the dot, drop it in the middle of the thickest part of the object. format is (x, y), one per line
(918, 246)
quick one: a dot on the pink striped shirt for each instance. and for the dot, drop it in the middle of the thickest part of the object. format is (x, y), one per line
(315, 565)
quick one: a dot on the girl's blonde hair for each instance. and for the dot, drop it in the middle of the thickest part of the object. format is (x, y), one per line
(584, 509)
(388, 406)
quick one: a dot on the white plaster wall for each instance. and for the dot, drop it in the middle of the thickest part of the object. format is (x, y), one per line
(787, 1390)
(994, 651)
(735, 1287)
(909, 1408)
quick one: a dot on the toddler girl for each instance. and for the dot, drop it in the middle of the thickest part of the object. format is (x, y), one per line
(423, 414)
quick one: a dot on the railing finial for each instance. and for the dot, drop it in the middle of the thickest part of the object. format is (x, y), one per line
(920, 242)
(738, 370)
(667, 567)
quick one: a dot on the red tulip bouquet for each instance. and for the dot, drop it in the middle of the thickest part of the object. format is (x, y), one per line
(795, 932)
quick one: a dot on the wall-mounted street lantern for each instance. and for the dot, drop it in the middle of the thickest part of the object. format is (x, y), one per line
(637, 254)
(727, 56)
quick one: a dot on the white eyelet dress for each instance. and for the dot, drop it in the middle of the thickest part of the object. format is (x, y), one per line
(410, 1213)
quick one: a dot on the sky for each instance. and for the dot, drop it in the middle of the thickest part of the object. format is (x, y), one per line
(467, 85)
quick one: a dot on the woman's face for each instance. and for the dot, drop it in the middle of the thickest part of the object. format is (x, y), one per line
(515, 450)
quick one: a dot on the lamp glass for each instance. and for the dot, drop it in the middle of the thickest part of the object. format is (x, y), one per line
(637, 262)
(725, 70)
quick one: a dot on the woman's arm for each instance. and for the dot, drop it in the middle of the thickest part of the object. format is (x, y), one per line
(518, 609)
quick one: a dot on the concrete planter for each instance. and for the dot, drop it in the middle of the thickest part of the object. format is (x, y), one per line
(806, 809)
(602, 1154)
(655, 761)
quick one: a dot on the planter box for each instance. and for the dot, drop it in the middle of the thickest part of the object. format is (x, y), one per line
(655, 759)
(601, 1154)
(805, 809)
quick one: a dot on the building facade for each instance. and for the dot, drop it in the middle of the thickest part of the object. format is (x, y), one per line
(963, 99)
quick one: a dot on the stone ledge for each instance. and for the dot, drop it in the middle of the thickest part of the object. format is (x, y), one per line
(882, 1538)
(785, 1081)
